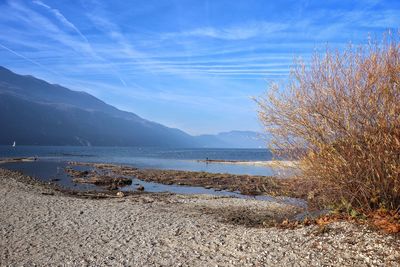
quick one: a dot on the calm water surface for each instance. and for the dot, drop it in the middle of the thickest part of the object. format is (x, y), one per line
(52, 160)
(157, 158)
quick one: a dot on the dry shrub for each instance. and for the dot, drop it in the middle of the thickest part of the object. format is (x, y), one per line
(340, 116)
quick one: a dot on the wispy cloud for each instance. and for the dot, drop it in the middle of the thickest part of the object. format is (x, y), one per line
(236, 32)
(28, 59)
(41, 26)
(60, 77)
(177, 54)
(127, 50)
(64, 32)
(62, 19)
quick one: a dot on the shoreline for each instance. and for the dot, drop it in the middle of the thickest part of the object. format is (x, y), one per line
(247, 185)
(43, 226)
(106, 176)
(19, 159)
(266, 163)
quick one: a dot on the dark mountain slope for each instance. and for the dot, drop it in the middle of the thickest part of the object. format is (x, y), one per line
(33, 111)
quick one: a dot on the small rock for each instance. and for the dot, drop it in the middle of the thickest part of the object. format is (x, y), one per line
(140, 188)
(112, 187)
(120, 194)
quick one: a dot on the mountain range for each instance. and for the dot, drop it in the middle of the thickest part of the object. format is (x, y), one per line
(35, 112)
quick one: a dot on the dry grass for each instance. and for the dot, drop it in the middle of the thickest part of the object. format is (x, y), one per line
(340, 116)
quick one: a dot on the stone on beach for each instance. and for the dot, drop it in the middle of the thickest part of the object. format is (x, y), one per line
(140, 188)
(120, 194)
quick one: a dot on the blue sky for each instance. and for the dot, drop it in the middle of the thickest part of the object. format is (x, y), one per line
(190, 64)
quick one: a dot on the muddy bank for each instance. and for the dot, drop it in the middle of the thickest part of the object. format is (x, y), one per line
(94, 177)
(52, 188)
(245, 184)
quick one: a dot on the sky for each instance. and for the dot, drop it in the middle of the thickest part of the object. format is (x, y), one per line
(189, 64)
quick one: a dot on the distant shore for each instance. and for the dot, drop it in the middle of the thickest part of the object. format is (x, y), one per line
(47, 227)
(20, 159)
(266, 163)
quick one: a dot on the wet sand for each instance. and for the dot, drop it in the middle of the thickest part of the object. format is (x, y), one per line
(45, 227)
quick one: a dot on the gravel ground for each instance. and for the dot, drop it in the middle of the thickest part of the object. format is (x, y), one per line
(39, 229)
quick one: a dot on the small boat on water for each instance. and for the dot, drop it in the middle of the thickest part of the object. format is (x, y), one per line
(13, 145)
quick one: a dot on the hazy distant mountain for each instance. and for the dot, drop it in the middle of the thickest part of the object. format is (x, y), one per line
(236, 139)
(34, 112)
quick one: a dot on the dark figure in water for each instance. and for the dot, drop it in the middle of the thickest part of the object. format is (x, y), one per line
(207, 160)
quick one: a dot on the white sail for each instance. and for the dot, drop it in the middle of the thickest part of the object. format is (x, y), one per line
(14, 144)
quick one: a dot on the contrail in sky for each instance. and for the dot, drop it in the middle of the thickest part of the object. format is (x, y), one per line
(28, 59)
(62, 19)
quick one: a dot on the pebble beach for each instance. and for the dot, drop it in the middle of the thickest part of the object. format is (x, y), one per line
(40, 226)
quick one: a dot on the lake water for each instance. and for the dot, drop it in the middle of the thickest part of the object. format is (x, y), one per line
(52, 161)
(156, 158)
